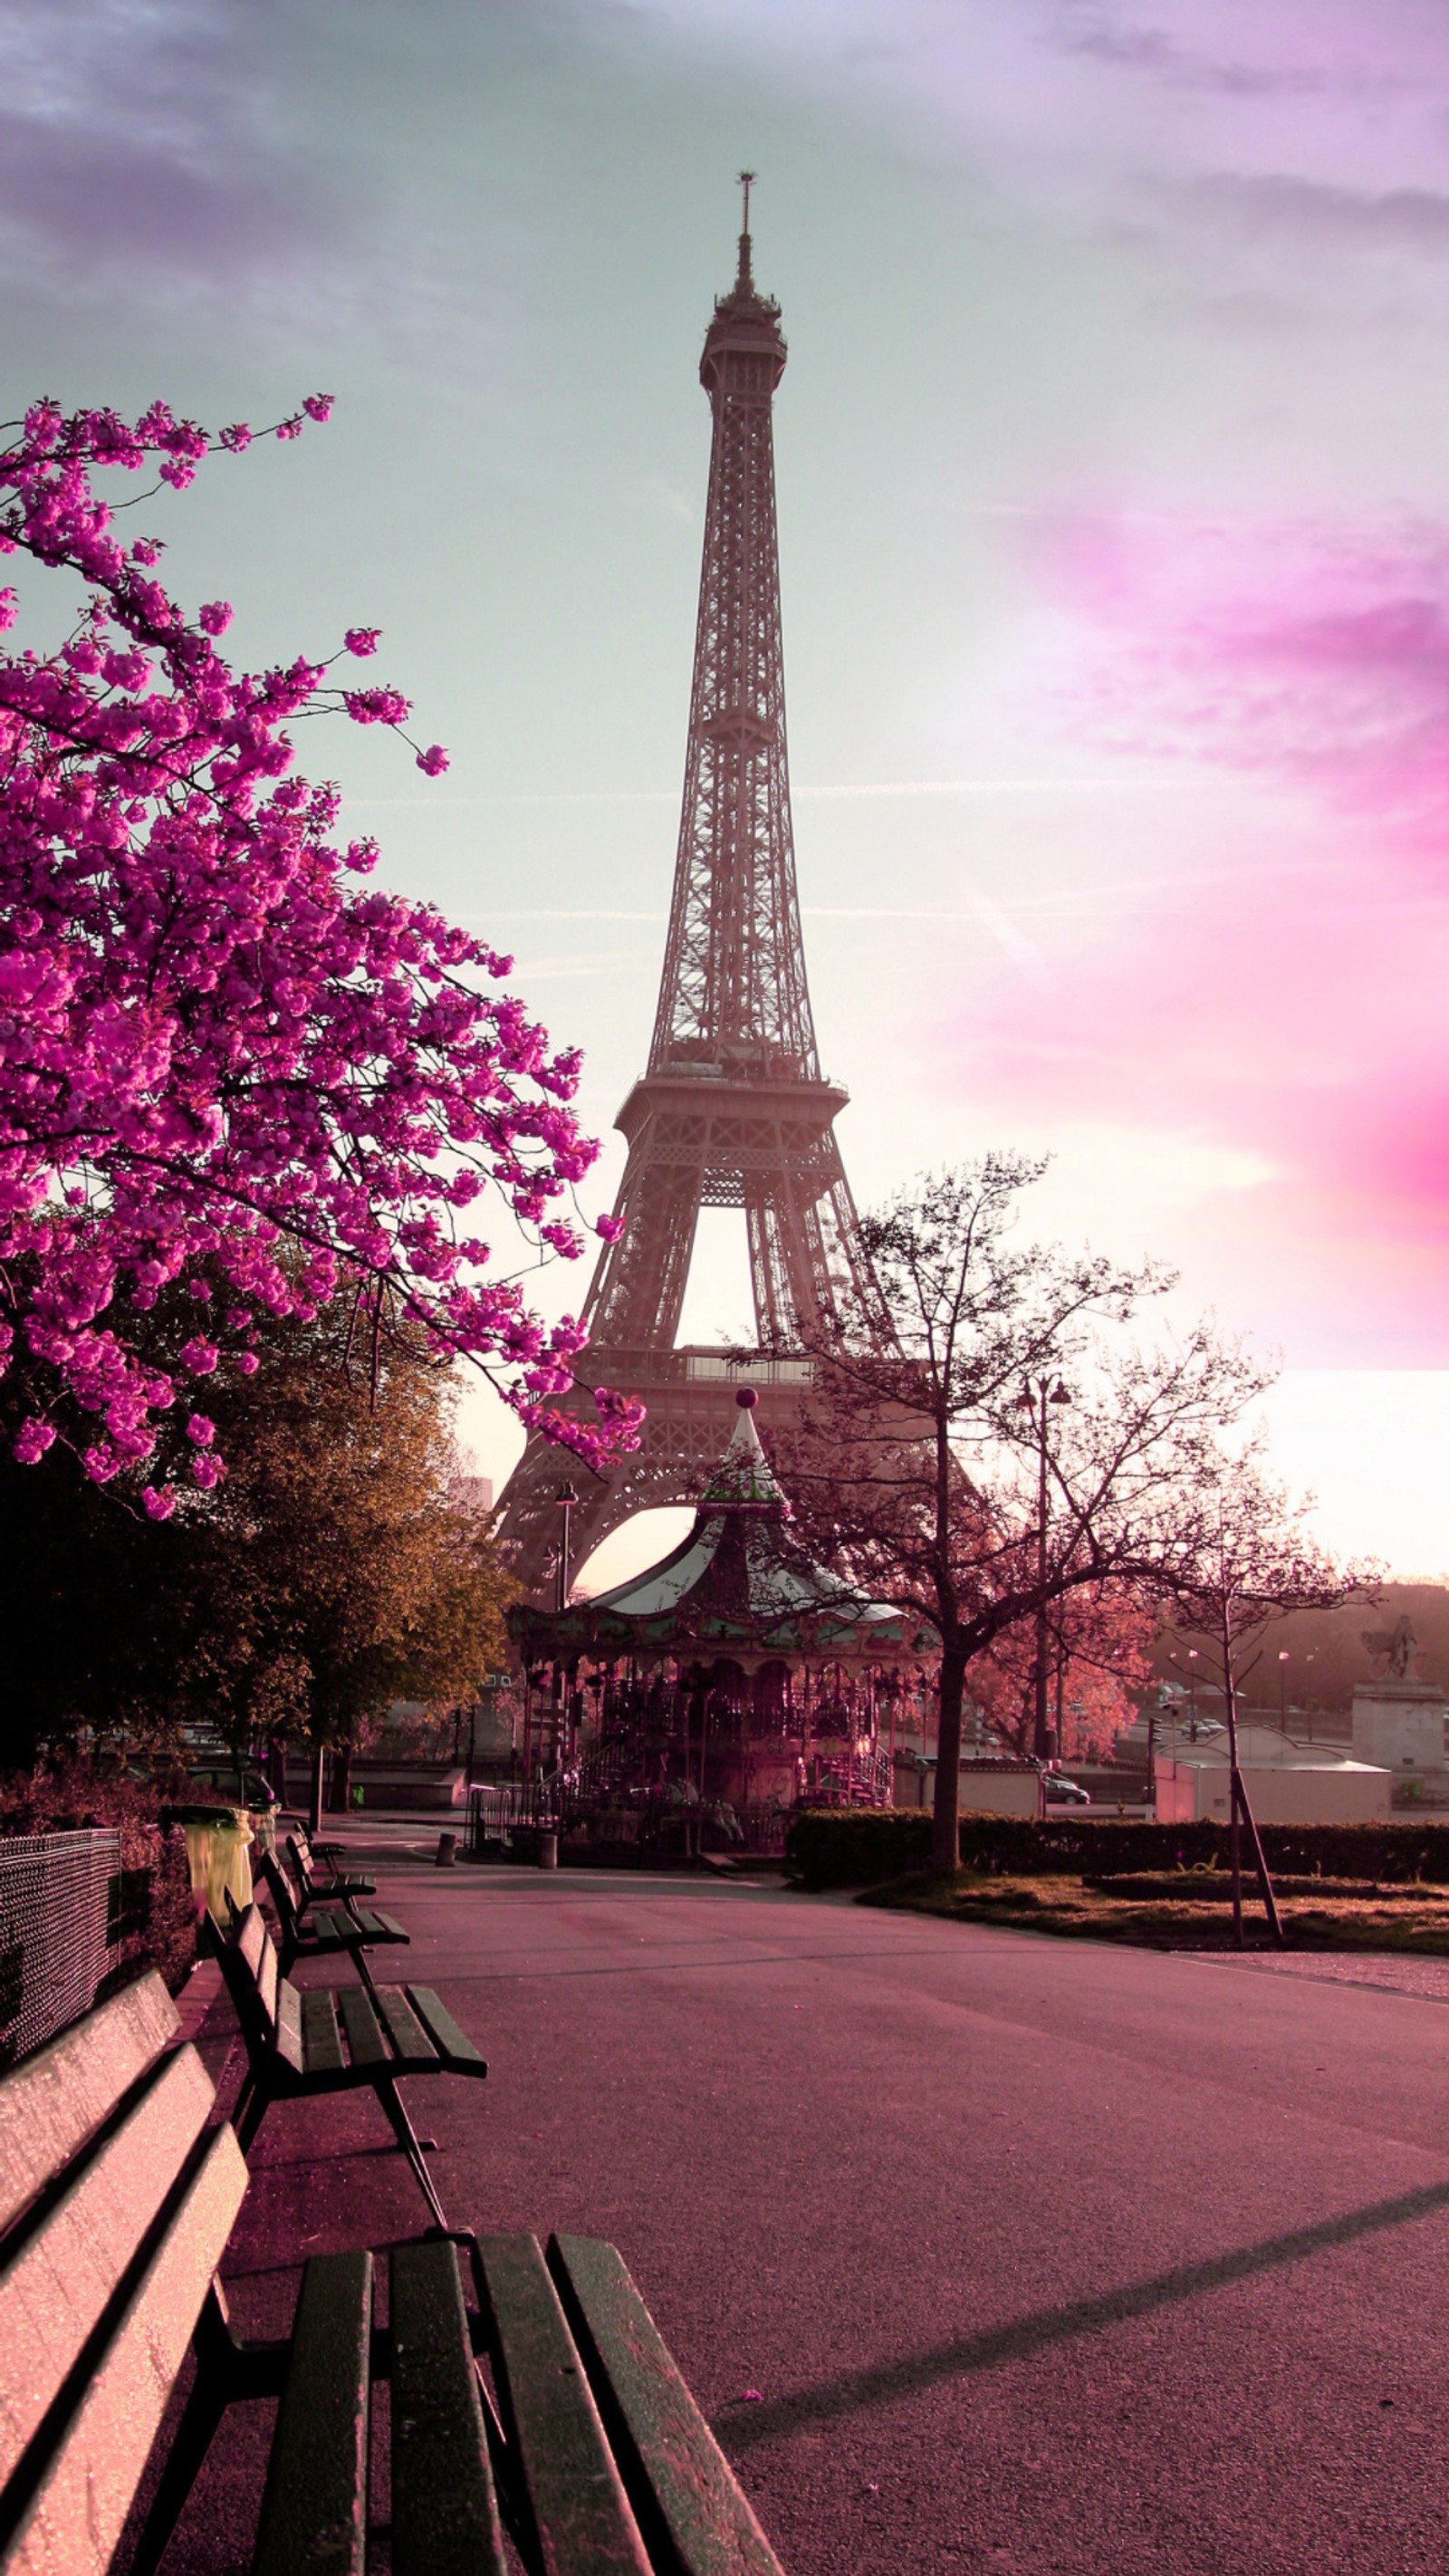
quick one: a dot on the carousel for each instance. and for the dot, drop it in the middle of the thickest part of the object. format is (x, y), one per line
(696, 1704)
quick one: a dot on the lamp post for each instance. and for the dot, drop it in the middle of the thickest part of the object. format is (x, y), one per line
(565, 1498)
(1035, 1398)
(1282, 1691)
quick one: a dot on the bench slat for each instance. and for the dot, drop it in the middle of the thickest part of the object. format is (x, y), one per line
(404, 2029)
(251, 1940)
(365, 2043)
(74, 2521)
(450, 2041)
(288, 2026)
(55, 2290)
(53, 2103)
(314, 2513)
(378, 1927)
(444, 2508)
(321, 2038)
(653, 2421)
(584, 2525)
(282, 1893)
(266, 1973)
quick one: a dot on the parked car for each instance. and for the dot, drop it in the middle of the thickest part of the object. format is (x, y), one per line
(231, 1783)
(1062, 1792)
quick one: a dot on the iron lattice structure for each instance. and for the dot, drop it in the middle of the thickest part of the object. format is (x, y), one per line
(732, 1111)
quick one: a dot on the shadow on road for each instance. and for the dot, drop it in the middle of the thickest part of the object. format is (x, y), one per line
(892, 2380)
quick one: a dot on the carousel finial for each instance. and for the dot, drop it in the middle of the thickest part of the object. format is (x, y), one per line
(746, 1396)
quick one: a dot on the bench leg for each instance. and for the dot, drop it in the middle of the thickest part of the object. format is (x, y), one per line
(411, 2145)
(251, 2107)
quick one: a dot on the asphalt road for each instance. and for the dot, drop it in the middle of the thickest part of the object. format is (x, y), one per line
(981, 2250)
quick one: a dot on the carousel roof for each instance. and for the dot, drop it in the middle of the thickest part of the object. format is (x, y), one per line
(740, 1583)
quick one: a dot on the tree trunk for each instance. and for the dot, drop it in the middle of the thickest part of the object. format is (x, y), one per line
(342, 1780)
(946, 1827)
(314, 1804)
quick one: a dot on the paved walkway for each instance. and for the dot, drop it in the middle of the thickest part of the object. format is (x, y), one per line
(1392, 1972)
(983, 2251)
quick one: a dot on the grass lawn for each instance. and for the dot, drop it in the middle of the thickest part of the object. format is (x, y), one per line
(1184, 1909)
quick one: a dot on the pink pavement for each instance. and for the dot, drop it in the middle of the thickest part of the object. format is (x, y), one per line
(981, 2250)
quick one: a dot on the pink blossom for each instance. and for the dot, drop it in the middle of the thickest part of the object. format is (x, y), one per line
(159, 1506)
(362, 640)
(223, 1056)
(376, 706)
(207, 1471)
(319, 406)
(433, 761)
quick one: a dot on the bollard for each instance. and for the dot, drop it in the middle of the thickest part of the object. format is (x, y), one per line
(548, 1851)
(447, 1851)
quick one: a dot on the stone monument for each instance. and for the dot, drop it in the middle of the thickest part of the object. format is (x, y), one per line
(1398, 1719)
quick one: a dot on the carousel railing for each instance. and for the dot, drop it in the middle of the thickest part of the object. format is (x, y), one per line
(850, 1780)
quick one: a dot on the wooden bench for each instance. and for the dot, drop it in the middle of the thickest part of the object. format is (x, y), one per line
(310, 1929)
(304, 1854)
(344, 2039)
(116, 2201)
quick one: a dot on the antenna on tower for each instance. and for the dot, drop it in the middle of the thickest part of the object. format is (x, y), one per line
(745, 283)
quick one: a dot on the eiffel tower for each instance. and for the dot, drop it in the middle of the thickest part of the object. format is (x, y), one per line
(732, 1111)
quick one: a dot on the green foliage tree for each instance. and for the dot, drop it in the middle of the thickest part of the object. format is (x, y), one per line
(340, 1575)
(325, 1575)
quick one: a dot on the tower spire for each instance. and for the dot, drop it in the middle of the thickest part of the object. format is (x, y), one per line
(732, 1110)
(744, 282)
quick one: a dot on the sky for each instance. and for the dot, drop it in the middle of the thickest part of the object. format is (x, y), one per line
(1114, 503)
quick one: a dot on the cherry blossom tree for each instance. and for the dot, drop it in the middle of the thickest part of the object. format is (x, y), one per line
(227, 1064)
(1098, 1646)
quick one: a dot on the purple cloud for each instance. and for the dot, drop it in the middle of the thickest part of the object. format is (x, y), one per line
(143, 143)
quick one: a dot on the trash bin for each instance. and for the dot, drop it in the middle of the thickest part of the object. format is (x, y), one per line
(447, 1851)
(548, 1851)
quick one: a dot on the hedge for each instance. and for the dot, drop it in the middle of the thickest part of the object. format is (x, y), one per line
(865, 1846)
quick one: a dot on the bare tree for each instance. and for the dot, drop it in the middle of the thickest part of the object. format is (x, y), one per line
(987, 1440)
(1253, 1562)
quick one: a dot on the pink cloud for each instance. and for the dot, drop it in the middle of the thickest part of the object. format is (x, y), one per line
(1295, 1012)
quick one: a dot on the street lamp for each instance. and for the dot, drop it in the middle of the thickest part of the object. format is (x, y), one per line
(1039, 1393)
(1282, 1691)
(565, 1498)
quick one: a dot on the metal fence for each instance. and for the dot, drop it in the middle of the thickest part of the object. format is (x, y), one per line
(646, 1819)
(65, 1905)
